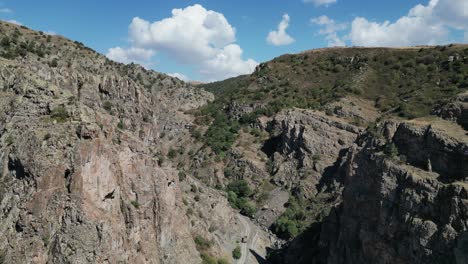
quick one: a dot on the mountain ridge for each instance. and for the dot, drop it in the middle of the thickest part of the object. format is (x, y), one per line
(103, 162)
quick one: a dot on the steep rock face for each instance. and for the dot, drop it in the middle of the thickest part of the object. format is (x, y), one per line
(430, 148)
(82, 176)
(457, 110)
(307, 146)
(393, 212)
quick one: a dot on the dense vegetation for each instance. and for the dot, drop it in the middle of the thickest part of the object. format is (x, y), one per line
(222, 131)
(238, 196)
(293, 221)
(403, 82)
(407, 83)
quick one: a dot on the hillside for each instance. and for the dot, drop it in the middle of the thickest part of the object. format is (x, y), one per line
(309, 117)
(89, 171)
(406, 81)
(344, 155)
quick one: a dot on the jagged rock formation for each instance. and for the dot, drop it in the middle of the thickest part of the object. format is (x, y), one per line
(306, 148)
(80, 181)
(109, 163)
(457, 110)
(395, 212)
(84, 173)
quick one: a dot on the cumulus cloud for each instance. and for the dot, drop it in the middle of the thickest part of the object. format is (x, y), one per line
(194, 36)
(429, 24)
(280, 37)
(180, 76)
(424, 24)
(452, 12)
(136, 55)
(330, 29)
(321, 2)
(227, 63)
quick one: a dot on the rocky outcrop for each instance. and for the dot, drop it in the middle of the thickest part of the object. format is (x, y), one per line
(430, 147)
(81, 160)
(456, 110)
(404, 200)
(306, 148)
(394, 212)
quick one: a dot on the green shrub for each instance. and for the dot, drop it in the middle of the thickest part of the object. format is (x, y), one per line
(391, 150)
(240, 187)
(232, 198)
(189, 211)
(47, 136)
(182, 176)
(292, 221)
(135, 204)
(54, 63)
(5, 42)
(196, 134)
(172, 154)
(248, 209)
(316, 158)
(202, 244)
(207, 259)
(223, 261)
(238, 192)
(222, 132)
(46, 239)
(286, 228)
(121, 125)
(59, 114)
(9, 140)
(107, 105)
(237, 253)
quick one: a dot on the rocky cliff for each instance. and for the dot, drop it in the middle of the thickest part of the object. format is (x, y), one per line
(102, 162)
(84, 147)
(398, 209)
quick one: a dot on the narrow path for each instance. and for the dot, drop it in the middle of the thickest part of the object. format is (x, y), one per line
(250, 242)
(245, 246)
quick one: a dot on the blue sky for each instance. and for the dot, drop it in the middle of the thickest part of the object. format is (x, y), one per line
(104, 24)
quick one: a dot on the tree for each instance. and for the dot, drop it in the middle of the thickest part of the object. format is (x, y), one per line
(236, 253)
(240, 188)
(54, 63)
(172, 154)
(5, 42)
(391, 150)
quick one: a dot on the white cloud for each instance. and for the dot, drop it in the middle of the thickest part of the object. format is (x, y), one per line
(335, 41)
(428, 24)
(280, 37)
(50, 32)
(193, 36)
(180, 76)
(227, 63)
(6, 10)
(136, 55)
(14, 22)
(330, 28)
(321, 2)
(452, 12)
